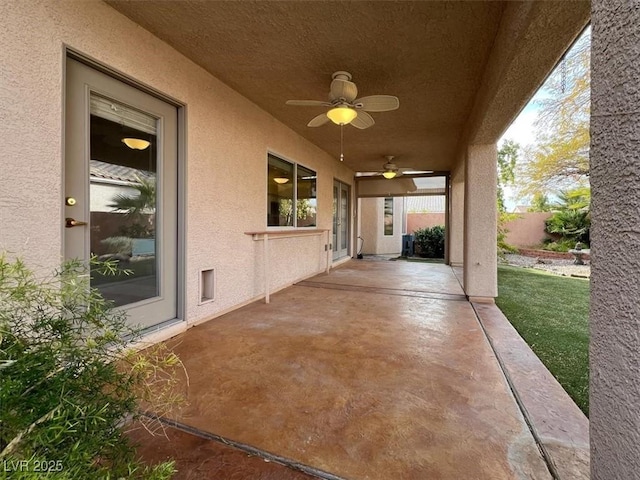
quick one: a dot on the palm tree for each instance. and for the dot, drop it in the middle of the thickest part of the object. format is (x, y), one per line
(140, 206)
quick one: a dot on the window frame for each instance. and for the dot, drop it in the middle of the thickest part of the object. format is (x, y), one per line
(282, 158)
(384, 217)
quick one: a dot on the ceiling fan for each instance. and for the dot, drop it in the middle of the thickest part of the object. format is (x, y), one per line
(391, 170)
(344, 107)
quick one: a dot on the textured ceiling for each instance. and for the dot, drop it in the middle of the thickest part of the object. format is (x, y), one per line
(431, 55)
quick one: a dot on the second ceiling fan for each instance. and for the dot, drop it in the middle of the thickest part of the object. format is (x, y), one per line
(390, 170)
(344, 107)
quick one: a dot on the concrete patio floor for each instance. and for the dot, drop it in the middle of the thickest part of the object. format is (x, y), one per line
(379, 370)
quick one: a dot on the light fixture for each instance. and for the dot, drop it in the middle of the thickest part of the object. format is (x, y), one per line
(389, 174)
(281, 180)
(342, 115)
(136, 143)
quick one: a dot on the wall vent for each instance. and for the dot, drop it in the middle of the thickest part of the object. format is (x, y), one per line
(207, 285)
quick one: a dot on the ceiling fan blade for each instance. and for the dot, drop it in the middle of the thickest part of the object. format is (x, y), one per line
(318, 120)
(308, 103)
(377, 103)
(362, 121)
(343, 89)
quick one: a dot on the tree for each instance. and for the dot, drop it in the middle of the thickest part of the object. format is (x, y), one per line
(303, 209)
(540, 203)
(507, 160)
(560, 157)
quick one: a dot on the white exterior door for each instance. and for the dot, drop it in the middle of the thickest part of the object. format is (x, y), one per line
(121, 190)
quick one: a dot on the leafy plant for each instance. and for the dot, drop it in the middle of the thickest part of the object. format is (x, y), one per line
(573, 221)
(430, 241)
(70, 379)
(507, 160)
(572, 225)
(575, 199)
(503, 246)
(122, 245)
(140, 207)
(563, 245)
(540, 203)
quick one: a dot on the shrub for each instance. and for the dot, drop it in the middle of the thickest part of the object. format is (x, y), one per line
(430, 241)
(121, 245)
(572, 225)
(70, 380)
(503, 246)
(563, 245)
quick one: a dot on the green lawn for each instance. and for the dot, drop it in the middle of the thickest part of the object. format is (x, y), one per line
(552, 315)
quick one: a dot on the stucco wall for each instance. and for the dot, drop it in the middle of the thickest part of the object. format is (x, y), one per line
(372, 226)
(368, 224)
(527, 230)
(456, 218)
(480, 222)
(227, 138)
(416, 221)
(615, 241)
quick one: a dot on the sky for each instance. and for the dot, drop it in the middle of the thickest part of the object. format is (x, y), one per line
(522, 132)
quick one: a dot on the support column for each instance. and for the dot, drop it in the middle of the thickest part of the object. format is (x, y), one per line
(480, 223)
(456, 216)
(615, 240)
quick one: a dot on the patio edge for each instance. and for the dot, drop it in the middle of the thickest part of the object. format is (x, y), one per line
(556, 422)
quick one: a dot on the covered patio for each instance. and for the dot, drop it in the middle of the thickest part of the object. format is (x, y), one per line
(377, 370)
(374, 371)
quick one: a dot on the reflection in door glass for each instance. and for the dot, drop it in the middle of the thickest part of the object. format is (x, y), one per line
(122, 175)
(335, 218)
(344, 218)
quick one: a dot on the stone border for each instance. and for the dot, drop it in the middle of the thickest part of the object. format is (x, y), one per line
(530, 252)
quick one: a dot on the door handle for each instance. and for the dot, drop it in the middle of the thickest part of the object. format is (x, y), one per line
(71, 222)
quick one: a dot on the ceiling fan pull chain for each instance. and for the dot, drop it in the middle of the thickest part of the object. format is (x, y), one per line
(341, 142)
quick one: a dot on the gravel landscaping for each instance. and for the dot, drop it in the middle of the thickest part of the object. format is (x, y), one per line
(558, 266)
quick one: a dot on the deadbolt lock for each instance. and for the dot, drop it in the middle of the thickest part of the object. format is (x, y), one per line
(70, 201)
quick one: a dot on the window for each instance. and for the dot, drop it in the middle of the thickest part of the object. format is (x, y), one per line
(291, 194)
(388, 216)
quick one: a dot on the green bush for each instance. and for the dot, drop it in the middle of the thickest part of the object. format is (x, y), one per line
(430, 241)
(121, 245)
(70, 380)
(563, 245)
(571, 225)
(501, 237)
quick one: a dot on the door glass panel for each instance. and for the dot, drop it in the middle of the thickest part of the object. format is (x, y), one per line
(123, 169)
(335, 218)
(344, 218)
(388, 216)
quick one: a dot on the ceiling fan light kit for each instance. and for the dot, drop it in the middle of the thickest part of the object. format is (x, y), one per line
(389, 174)
(281, 180)
(342, 115)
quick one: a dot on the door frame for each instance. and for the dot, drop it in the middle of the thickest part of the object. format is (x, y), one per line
(181, 188)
